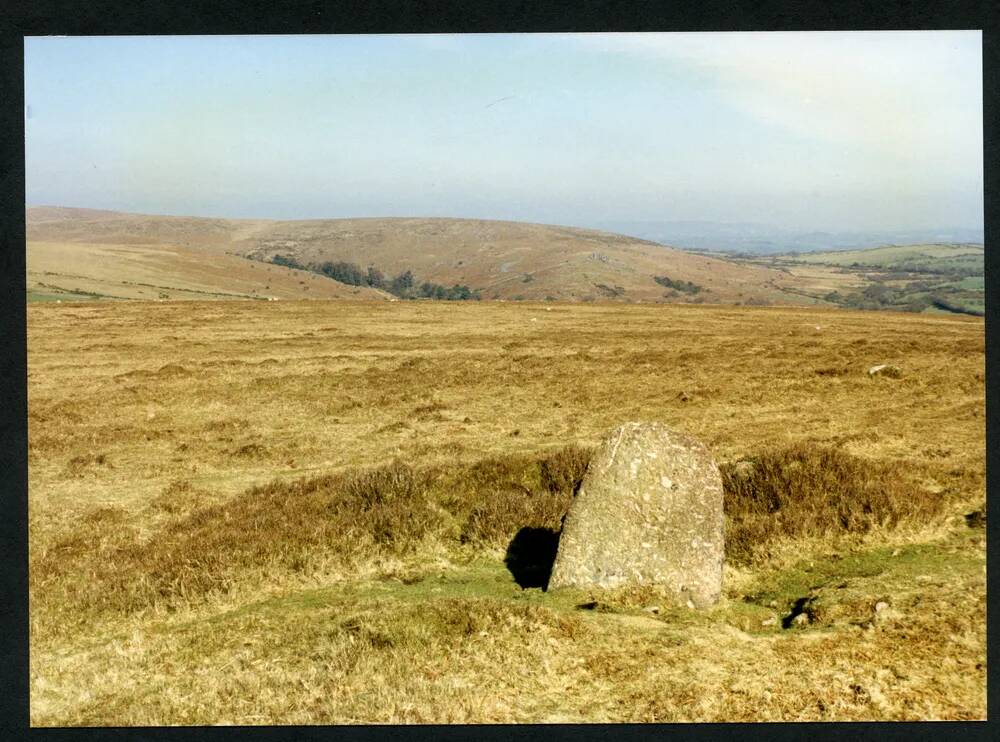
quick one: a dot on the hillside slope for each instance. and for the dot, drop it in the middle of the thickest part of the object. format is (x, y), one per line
(88, 254)
(64, 224)
(501, 260)
(509, 260)
(64, 271)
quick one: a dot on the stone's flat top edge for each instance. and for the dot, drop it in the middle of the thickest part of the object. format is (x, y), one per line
(651, 426)
(636, 431)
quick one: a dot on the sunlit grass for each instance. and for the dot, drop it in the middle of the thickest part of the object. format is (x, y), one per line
(262, 513)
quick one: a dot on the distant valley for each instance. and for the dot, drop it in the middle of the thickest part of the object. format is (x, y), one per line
(918, 278)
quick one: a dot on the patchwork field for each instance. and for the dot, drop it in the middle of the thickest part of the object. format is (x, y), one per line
(938, 257)
(930, 278)
(250, 512)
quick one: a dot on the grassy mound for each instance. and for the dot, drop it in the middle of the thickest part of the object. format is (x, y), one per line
(284, 528)
(809, 490)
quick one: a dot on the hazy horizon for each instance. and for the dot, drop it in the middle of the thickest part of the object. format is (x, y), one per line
(839, 131)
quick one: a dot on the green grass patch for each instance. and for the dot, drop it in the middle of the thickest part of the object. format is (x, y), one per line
(970, 283)
(896, 256)
(889, 566)
(45, 296)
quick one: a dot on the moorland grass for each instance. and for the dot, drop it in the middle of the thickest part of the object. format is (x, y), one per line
(288, 527)
(201, 541)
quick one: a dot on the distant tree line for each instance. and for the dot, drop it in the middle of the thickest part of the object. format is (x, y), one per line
(686, 287)
(915, 296)
(403, 285)
(951, 307)
(880, 296)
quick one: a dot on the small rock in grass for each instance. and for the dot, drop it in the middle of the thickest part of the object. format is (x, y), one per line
(743, 470)
(885, 369)
(976, 519)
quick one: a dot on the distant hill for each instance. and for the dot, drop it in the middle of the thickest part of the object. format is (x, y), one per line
(85, 254)
(767, 239)
(500, 260)
(938, 257)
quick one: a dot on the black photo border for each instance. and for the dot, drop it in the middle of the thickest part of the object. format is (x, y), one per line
(20, 18)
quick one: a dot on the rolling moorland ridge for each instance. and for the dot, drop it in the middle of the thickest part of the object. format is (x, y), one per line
(82, 253)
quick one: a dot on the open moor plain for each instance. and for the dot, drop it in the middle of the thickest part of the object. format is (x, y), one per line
(298, 512)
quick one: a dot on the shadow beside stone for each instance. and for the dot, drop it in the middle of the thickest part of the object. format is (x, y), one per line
(530, 556)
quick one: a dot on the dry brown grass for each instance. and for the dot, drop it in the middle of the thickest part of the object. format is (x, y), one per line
(809, 490)
(342, 520)
(301, 526)
(309, 523)
(172, 272)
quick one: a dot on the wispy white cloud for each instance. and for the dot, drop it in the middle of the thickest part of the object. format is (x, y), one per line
(895, 93)
(853, 130)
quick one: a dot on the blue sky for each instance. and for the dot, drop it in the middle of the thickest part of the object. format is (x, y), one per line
(841, 131)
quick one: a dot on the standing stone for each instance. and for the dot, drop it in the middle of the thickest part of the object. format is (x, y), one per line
(648, 512)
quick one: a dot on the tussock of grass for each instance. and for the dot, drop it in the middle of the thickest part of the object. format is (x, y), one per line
(180, 496)
(811, 490)
(80, 465)
(390, 505)
(294, 527)
(563, 470)
(345, 519)
(511, 492)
